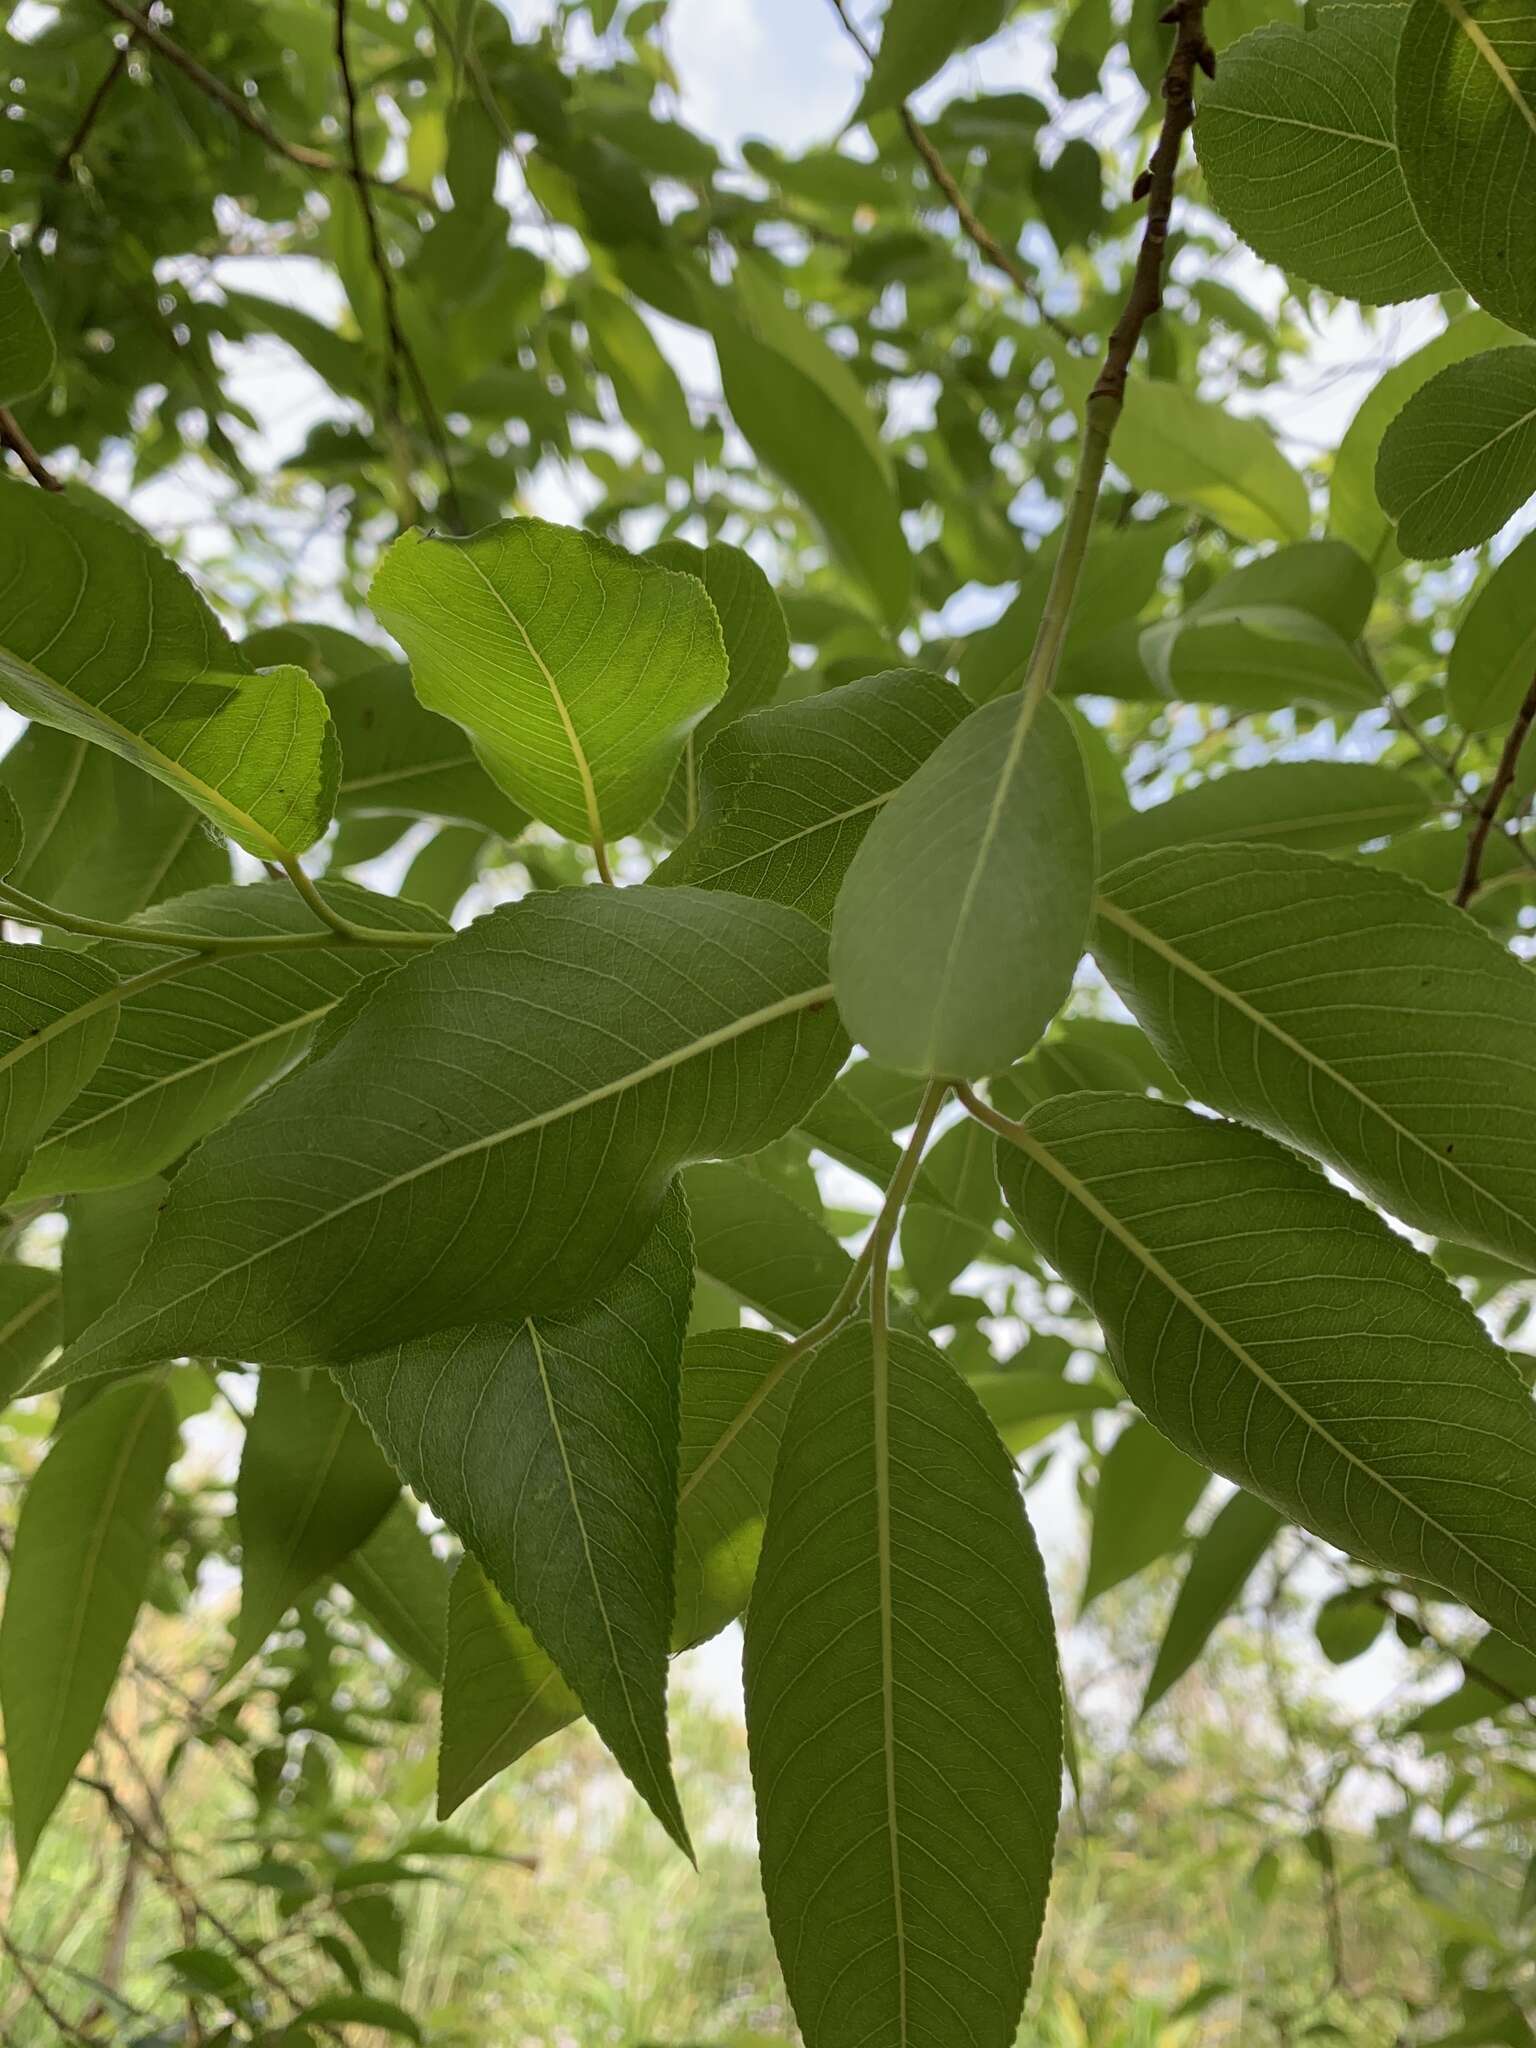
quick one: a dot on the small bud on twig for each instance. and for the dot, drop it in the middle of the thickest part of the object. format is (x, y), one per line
(1142, 186)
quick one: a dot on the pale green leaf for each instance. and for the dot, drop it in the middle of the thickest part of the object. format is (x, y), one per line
(1219, 1567)
(412, 1178)
(1494, 657)
(501, 1694)
(1275, 1328)
(26, 344)
(313, 1487)
(761, 1246)
(917, 39)
(1295, 138)
(962, 917)
(83, 1550)
(1345, 1010)
(1199, 454)
(1460, 458)
(401, 1585)
(1466, 128)
(903, 1708)
(111, 643)
(1147, 1491)
(1025, 1403)
(644, 382)
(58, 1012)
(29, 1321)
(550, 1446)
(577, 670)
(786, 796)
(1317, 805)
(400, 760)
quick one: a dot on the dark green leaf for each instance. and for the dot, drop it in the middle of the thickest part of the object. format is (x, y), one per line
(1146, 1493)
(1220, 1566)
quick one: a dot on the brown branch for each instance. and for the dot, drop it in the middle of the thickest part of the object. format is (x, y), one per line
(1498, 789)
(398, 352)
(63, 169)
(1467, 1659)
(12, 437)
(64, 2028)
(236, 106)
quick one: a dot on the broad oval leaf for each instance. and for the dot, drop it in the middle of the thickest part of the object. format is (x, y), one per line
(414, 1178)
(1466, 128)
(903, 1707)
(1221, 1564)
(578, 670)
(109, 641)
(1345, 1010)
(550, 1446)
(1316, 805)
(1275, 1328)
(1494, 656)
(1460, 458)
(1296, 141)
(786, 796)
(963, 915)
(84, 1545)
(1199, 454)
(58, 1014)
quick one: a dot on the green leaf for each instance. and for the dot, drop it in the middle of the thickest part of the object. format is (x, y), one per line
(26, 344)
(107, 1237)
(550, 1447)
(644, 382)
(1466, 119)
(1348, 1624)
(962, 917)
(1025, 1403)
(903, 1708)
(917, 39)
(761, 1246)
(355, 2008)
(1084, 1052)
(401, 1585)
(58, 1013)
(501, 1694)
(1276, 1329)
(1295, 138)
(1345, 1010)
(576, 669)
(1315, 805)
(176, 1070)
(1494, 656)
(84, 1545)
(312, 1489)
(400, 760)
(29, 1321)
(1147, 1491)
(949, 1219)
(1197, 453)
(786, 796)
(113, 644)
(437, 1183)
(1460, 458)
(1494, 1668)
(1222, 1562)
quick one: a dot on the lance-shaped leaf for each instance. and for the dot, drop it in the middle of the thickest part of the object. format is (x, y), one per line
(1147, 1491)
(1345, 1010)
(903, 1708)
(1494, 657)
(313, 1486)
(786, 796)
(105, 638)
(13, 831)
(29, 1321)
(964, 913)
(1275, 1328)
(761, 1246)
(418, 1175)
(26, 343)
(176, 1069)
(1460, 458)
(1223, 1561)
(1295, 138)
(578, 670)
(107, 1236)
(1317, 805)
(401, 1585)
(58, 1012)
(501, 1694)
(400, 760)
(1466, 128)
(84, 1546)
(550, 1446)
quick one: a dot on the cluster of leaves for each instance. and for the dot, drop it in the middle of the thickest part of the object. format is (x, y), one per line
(485, 1198)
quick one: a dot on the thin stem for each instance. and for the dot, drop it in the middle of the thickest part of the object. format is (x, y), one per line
(12, 437)
(15, 903)
(63, 2027)
(600, 855)
(883, 1236)
(343, 927)
(64, 168)
(984, 1113)
(1497, 790)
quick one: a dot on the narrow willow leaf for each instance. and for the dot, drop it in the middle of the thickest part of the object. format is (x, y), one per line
(13, 831)
(963, 915)
(917, 39)
(761, 1246)
(1460, 458)
(1295, 138)
(26, 342)
(84, 1546)
(1345, 1010)
(903, 1709)
(401, 1585)
(313, 1487)
(110, 642)
(1494, 656)
(1466, 127)
(400, 760)
(58, 1012)
(411, 1178)
(1276, 1329)
(1223, 1561)
(1197, 453)
(29, 1321)
(577, 670)
(1147, 1491)
(175, 1070)
(550, 1447)
(501, 1694)
(786, 796)
(1316, 805)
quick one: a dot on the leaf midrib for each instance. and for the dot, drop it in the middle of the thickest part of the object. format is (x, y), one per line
(1481, 43)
